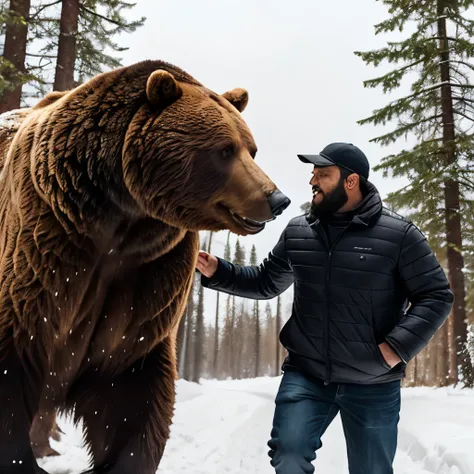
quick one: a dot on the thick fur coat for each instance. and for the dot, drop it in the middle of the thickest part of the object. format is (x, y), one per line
(102, 194)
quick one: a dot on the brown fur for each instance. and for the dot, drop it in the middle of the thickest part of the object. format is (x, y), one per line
(44, 425)
(102, 194)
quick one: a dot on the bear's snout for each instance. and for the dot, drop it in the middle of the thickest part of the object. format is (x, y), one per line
(278, 202)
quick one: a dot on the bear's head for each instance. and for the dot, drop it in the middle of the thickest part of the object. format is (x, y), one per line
(188, 158)
(150, 140)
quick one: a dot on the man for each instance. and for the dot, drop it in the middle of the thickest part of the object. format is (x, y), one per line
(356, 266)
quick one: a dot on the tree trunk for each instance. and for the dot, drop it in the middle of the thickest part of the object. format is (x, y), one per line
(64, 77)
(443, 357)
(199, 337)
(420, 369)
(14, 51)
(216, 325)
(188, 350)
(453, 365)
(232, 364)
(180, 344)
(432, 354)
(257, 339)
(415, 370)
(216, 338)
(277, 341)
(452, 206)
(199, 334)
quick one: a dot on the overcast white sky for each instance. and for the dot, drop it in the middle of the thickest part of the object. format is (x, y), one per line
(296, 60)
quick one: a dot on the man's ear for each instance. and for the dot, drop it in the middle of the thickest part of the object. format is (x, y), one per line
(352, 181)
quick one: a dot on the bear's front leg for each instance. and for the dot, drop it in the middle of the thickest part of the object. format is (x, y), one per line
(127, 418)
(20, 387)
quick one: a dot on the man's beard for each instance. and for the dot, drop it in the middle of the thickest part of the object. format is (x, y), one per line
(330, 203)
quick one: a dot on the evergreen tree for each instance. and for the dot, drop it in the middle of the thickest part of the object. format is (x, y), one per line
(77, 40)
(199, 337)
(227, 330)
(269, 341)
(13, 73)
(189, 340)
(277, 335)
(256, 319)
(236, 317)
(438, 113)
(305, 207)
(99, 22)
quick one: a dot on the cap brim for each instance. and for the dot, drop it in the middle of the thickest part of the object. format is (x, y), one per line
(316, 160)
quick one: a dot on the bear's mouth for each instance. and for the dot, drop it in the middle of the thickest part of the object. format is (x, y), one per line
(249, 225)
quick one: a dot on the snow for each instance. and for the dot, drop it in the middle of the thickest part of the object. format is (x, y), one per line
(223, 427)
(11, 119)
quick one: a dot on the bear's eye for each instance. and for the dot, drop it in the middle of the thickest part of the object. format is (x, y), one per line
(227, 152)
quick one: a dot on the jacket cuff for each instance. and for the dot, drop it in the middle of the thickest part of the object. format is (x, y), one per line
(397, 349)
(221, 275)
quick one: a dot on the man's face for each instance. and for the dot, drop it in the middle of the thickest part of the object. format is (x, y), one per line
(329, 194)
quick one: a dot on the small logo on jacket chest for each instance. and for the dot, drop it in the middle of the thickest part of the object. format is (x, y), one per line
(363, 257)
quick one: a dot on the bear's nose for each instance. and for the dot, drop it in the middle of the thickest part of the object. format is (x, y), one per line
(278, 202)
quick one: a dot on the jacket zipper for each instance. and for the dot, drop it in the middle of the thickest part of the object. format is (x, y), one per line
(326, 319)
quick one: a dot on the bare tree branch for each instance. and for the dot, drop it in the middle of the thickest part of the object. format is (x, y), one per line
(82, 7)
(43, 7)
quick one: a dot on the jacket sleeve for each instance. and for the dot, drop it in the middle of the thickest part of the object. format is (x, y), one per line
(428, 293)
(271, 278)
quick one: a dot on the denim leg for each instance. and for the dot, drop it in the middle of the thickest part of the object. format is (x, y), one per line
(304, 409)
(370, 415)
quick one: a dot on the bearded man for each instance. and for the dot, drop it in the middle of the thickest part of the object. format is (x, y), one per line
(369, 294)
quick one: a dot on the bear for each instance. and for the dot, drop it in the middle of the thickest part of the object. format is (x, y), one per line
(103, 192)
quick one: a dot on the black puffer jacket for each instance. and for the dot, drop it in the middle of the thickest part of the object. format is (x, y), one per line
(379, 282)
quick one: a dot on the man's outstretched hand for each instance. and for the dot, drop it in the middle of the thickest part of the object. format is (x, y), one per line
(206, 264)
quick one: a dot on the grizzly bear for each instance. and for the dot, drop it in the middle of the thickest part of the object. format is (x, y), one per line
(103, 191)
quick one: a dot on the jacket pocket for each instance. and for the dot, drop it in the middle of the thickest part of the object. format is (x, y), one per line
(377, 351)
(380, 357)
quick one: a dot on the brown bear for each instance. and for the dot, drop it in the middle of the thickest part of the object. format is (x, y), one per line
(102, 194)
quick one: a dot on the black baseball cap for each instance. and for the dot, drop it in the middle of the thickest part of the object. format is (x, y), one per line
(341, 154)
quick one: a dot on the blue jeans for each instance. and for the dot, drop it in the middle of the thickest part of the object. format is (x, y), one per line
(306, 407)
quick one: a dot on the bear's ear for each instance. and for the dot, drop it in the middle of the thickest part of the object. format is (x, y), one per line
(238, 98)
(162, 89)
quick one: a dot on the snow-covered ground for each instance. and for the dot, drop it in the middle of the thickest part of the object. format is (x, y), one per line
(222, 427)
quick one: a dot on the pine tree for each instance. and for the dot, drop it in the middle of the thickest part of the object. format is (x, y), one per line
(236, 319)
(215, 354)
(199, 336)
(269, 341)
(438, 113)
(256, 318)
(13, 73)
(79, 40)
(277, 335)
(305, 207)
(189, 334)
(99, 22)
(227, 331)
